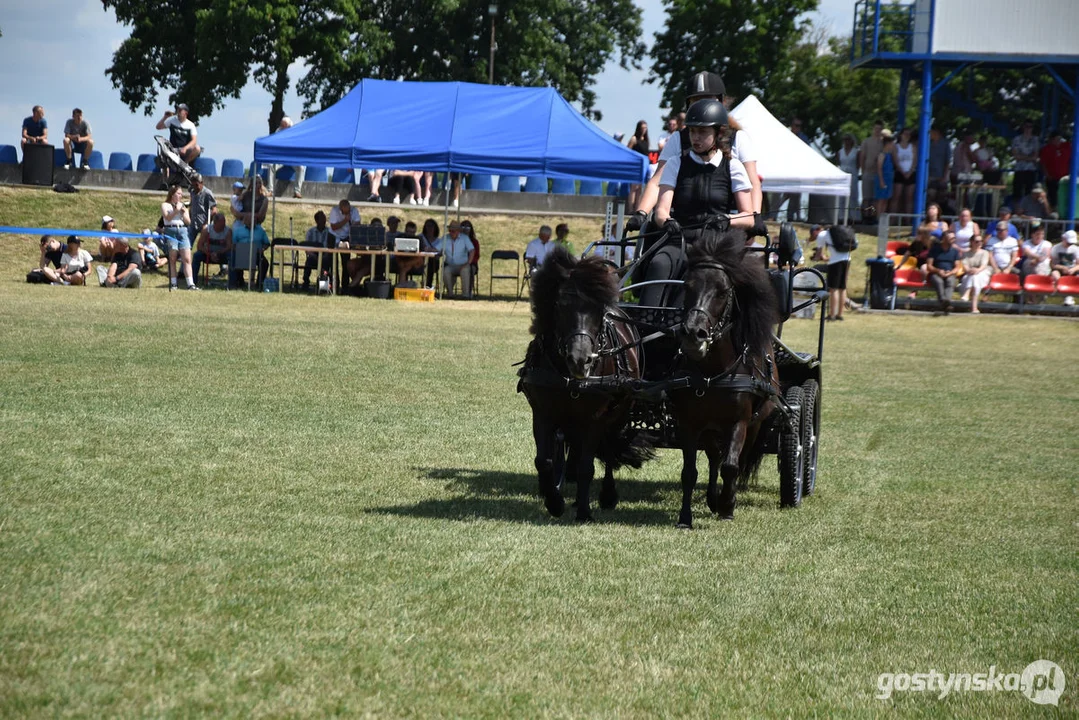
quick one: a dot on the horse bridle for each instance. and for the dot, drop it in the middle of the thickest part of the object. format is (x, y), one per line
(717, 329)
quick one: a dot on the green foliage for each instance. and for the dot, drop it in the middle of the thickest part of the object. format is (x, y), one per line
(745, 42)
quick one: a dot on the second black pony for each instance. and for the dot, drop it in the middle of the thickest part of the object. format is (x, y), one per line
(574, 374)
(731, 377)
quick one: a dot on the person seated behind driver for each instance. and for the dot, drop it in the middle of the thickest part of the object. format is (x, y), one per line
(214, 244)
(698, 186)
(75, 265)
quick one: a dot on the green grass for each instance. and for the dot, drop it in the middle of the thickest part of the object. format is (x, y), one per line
(246, 504)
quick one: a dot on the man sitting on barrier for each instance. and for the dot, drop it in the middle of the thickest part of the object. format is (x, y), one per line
(77, 139)
(699, 191)
(35, 129)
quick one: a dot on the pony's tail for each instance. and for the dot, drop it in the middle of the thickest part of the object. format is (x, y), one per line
(752, 461)
(630, 447)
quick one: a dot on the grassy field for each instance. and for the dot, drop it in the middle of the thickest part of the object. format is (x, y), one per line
(240, 504)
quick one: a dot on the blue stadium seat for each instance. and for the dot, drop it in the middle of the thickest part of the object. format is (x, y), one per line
(206, 166)
(563, 186)
(536, 184)
(120, 161)
(146, 163)
(233, 168)
(343, 175)
(97, 160)
(480, 182)
(315, 174)
(285, 173)
(614, 189)
(59, 157)
(591, 187)
(8, 154)
(509, 183)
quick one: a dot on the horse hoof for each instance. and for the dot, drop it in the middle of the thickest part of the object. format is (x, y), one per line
(608, 502)
(729, 517)
(585, 519)
(555, 506)
(712, 499)
(684, 525)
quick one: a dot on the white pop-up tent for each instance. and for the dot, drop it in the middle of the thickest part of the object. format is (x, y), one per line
(784, 162)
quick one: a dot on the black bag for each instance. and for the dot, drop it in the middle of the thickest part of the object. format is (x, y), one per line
(843, 239)
(64, 187)
(36, 277)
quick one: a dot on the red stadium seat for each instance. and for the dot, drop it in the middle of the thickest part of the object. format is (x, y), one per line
(895, 247)
(1004, 283)
(1038, 284)
(910, 278)
(1068, 285)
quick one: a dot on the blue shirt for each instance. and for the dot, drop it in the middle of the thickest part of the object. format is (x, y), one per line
(939, 153)
(944, 259)
(34, 128)
(455, 252)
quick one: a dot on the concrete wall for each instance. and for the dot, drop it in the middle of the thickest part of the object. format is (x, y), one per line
(537, 203)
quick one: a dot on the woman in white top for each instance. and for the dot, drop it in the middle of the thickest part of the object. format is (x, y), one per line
(976, 271)
(848, 163)
(906, 155)
(965, 228)
(75, 265)
(176, 218)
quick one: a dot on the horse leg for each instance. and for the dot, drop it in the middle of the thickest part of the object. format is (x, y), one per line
(729, 470)
(544, 435)
(712, 496)
(689, 481)
(608, 494)
(585, 465)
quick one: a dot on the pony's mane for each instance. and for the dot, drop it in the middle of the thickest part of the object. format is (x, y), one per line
(590, 278)
(757, 309)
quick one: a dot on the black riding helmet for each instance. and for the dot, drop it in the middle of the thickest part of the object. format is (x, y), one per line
(707, 113)
(705, 84)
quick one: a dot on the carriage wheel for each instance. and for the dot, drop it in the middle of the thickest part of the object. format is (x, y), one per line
(790, 454)
(810, 433)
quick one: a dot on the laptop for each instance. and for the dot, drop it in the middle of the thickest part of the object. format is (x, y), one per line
(406, 243)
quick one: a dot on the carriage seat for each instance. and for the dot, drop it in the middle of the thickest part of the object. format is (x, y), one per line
(781, 285)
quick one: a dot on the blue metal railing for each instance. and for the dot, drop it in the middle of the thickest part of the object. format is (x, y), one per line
(882, 27)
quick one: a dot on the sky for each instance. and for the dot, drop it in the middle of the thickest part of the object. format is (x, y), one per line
(54, 53)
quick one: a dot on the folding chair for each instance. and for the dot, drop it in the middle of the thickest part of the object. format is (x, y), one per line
(243, 259)
(508, 256)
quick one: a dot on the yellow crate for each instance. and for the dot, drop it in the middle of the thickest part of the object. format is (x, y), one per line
(414, 294)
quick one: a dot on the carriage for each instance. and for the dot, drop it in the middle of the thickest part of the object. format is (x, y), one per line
(791, 432)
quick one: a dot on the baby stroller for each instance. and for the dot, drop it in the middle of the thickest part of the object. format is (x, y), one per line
(176, 171)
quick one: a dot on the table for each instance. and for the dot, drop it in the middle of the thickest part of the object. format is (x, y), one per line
(346, 253)
(995, 192)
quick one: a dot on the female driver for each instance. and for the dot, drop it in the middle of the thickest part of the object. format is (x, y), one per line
(696, 187)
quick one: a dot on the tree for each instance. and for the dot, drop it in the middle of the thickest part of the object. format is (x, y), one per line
(745, 42)
(563, 44)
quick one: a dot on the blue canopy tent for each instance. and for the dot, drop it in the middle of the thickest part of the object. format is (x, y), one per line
(455, 127)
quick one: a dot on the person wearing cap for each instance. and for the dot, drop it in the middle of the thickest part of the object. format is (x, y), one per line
(1003, 249)
(202, 206)
(976, 269)
(299, 170)
(35, 129)
(124, 271)
(701, 86)
(456, 250)
(1004, 215)
(75, 265)
(1036, 204)
(149, 252)
(183, 134)
(77, 139)
(106, 246)
(1036, 251)
(1064, 260)
(942, 269)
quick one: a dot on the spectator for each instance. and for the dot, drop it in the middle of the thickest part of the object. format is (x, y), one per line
(939, 164)
(214, 243)
(536, 251)
(1003, 250)
(317, 237)
(1036, 251)
(640, 143)
(561, 237)
(965, 228)
(867, 161)
(106, 246)
(455, 254)
(254, 204)
(1025, 151)
(51, 252)
(847, 159)
(374, 184)
(669, 128)
(681, 120)
(35, 129)
(428, 188)
(183, 134)
(176, 218)
(906, 158)
(986, 162)
(932, 222)
(975, 263)
(237, 194)
(1036, 204)
(429, 237)
(474, 257)
(943, 269)
(1004, 215)
(401, 264)
(405, 184)
(794, 200)
(75, 265)
(124, 271)
(838, 266)
(885, 174)
(150, 253)
(917, 253)
(1064, 260)
(202, 206)
(455, 189)
(963, 159)
(342, 218)
(1055, 157)
(300, 170)
(77, 139)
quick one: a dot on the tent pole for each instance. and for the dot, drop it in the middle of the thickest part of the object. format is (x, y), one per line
(251, 227)
(446, 191)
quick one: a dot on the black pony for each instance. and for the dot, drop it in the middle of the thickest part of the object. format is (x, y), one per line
(730, 310)
(581, 353)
